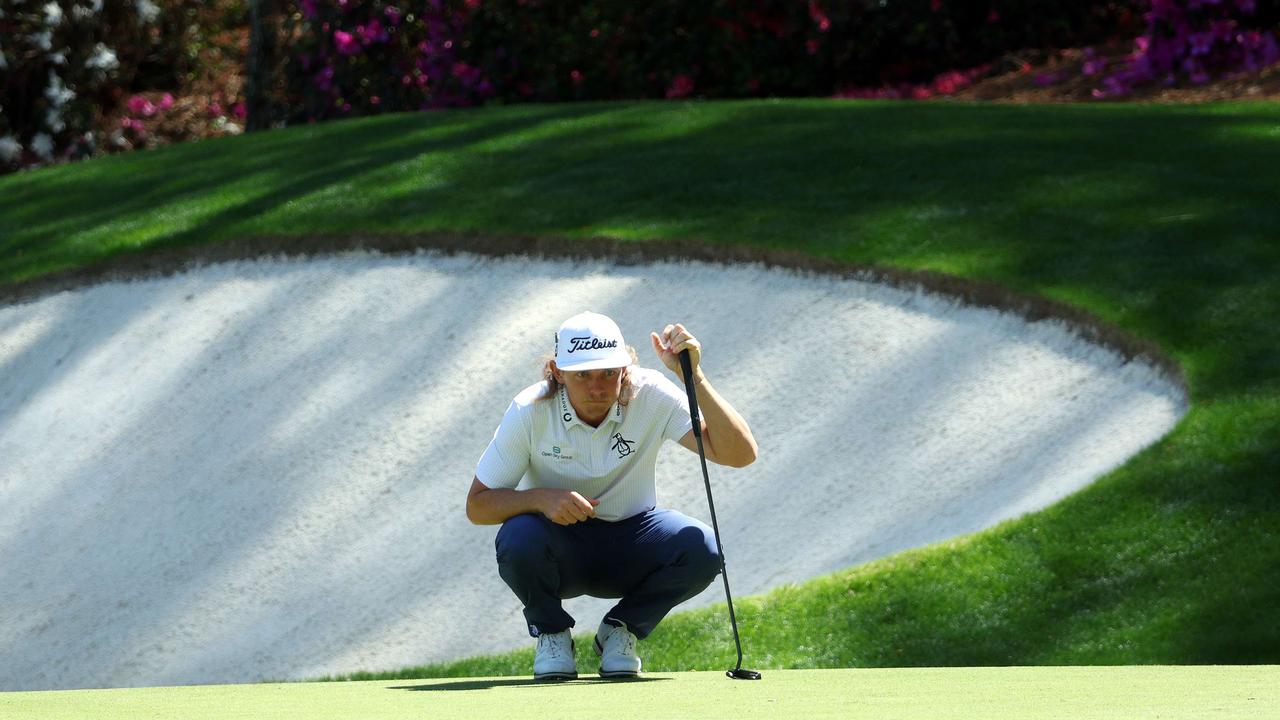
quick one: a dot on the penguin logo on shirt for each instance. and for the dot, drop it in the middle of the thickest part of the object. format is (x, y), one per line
(622, 445)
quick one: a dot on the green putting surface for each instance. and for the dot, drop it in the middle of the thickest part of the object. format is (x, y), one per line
(1006, 693)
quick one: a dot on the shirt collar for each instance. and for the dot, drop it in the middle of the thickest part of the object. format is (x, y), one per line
(569, 416)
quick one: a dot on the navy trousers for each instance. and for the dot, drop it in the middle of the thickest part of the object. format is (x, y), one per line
(652, 561)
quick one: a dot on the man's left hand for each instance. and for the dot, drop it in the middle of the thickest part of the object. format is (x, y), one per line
(670, 342)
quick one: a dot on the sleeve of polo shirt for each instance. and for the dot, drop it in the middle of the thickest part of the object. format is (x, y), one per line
(506, 459)
(678, 421)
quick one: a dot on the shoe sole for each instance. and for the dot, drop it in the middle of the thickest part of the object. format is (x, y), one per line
(548, 677)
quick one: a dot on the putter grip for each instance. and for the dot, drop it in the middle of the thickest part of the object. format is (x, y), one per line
(686, 367)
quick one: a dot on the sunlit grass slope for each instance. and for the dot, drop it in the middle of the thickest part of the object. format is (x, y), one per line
(1161, 219)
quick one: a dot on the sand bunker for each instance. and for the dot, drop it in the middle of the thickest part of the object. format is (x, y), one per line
(258, 469)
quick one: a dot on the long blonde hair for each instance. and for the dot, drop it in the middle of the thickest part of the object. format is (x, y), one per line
(553, 385)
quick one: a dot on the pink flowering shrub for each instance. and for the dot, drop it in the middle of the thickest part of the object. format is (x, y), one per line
(362, 58)
(1194, 40)
(139, 109)
(349, 58)
(81, 77)
(947, 83)
(546, 50)
(923, 48)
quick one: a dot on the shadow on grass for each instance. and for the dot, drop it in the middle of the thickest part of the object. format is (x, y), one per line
(490, 683)
(215, 187)
(1141, 212)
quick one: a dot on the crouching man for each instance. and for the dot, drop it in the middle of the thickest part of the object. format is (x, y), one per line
(586, 523)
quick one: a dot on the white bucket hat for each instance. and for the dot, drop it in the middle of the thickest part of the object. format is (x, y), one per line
(590, 341)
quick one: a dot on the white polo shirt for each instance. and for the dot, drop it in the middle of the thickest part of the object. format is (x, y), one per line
(545, 442)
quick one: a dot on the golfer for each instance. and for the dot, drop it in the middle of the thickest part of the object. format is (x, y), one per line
(585, 522)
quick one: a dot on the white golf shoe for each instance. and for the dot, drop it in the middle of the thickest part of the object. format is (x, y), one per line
(553, 660)
(616, 647)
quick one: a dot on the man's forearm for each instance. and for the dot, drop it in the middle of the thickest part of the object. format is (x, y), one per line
(495, 505)
(728, 438)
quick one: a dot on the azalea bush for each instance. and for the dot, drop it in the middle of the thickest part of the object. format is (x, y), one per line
(360, 58)
(605, 49)
(1195, 41)
(202, 95)
(610, 49)
(59, 63)
(85, 77)
(926, 47)
(353, 58)
(82, 77)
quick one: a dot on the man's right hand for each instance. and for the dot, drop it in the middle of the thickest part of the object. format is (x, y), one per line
(566, 507)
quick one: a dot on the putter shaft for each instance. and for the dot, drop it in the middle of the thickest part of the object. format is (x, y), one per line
(686, 366)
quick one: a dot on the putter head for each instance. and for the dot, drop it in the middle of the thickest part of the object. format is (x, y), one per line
(740, 674)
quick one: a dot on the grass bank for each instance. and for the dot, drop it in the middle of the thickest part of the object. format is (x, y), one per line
(1159, 219)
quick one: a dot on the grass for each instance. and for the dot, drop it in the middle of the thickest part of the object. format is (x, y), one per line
(1194, 693)
(1159, 219)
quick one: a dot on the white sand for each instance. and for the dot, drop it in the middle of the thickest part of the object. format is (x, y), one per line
(258, 469)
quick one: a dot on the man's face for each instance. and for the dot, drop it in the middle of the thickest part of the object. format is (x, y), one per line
(592, 392)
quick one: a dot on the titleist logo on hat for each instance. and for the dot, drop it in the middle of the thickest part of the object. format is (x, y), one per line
(590, 343)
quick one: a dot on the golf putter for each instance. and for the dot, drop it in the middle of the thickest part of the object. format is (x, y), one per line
(686, 366)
